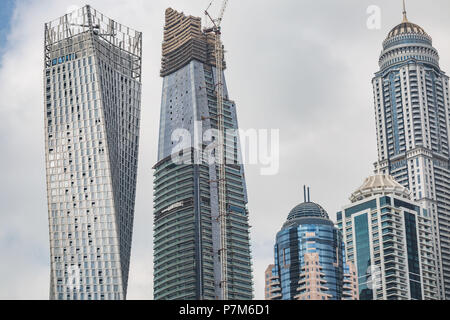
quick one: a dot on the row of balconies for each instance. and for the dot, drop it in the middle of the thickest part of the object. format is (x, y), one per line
(174, 250)
(166, 228)
(165, 242)
(170, 221)
(182, 265)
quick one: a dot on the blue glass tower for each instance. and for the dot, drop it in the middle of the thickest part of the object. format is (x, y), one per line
(309, 257)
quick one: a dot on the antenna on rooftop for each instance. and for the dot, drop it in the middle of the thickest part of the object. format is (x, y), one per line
(306, 194)
(405, 18)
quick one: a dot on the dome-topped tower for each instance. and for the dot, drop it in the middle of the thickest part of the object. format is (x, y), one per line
(380, 184)
(406, 27)
(308, 246)
(306, 213)
(406, 42)
(307, 209)
(411, 107)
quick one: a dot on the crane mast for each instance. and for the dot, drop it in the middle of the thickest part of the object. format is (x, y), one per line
(221, 161)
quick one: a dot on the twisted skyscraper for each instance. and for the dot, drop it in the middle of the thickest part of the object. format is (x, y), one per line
(92, 81)
(412, 120)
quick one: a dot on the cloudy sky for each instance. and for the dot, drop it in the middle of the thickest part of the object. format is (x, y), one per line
(301, 66)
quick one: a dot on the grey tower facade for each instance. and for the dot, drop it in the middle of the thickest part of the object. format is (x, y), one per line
(412, 119)
(187, 234)
(92, 83)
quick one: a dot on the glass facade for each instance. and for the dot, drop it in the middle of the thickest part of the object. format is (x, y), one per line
(309, 260)
(363, 256)
(292, 246)
(412, 248)
(92, 111)
(389, 240)
(186, 209)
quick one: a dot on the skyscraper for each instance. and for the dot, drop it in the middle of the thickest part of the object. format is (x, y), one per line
(412, 120)
(388, 238)
(92, 83)
(309, 259)
(187, 233)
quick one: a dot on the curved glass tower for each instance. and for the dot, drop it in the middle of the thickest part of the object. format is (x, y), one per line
(92, 81)
(411, 98)
(309, 259)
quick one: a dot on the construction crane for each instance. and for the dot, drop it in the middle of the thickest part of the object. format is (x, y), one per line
(216, 29)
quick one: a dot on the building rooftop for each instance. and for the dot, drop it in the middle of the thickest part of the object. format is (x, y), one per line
(184, 41)
(307, 213)
(406, 27)
(380, 184)
(307, 209)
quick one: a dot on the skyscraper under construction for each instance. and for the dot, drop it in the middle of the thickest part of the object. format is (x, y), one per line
(188, 229)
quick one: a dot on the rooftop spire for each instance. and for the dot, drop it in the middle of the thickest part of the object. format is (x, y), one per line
(405, 18)
(306, 194)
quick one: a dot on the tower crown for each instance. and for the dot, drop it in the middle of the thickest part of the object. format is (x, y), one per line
(308, 210)
(407, 42)
(307, 213)
(406, 27)
(379, 185)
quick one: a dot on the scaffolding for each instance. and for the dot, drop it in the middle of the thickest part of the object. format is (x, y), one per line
(88, 21)
(223, 251)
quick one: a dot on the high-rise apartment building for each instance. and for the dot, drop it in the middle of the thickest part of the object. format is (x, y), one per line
(310, 259)
(412, 110)
(388, 238)
(187, 233)
(350, 287)
(272, 289)
(92, 83)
